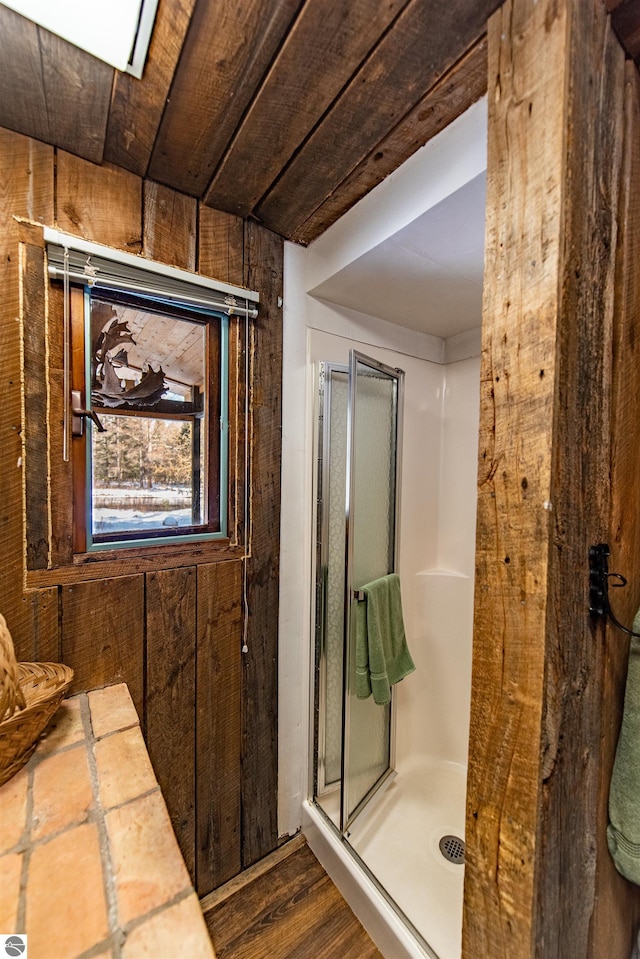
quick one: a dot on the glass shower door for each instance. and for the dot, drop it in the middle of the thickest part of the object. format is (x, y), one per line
(373, 456)
(330, 585)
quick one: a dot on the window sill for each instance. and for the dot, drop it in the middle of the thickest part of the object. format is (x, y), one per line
(105, 564)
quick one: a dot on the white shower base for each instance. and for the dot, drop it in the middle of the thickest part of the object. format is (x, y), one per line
(398, 842)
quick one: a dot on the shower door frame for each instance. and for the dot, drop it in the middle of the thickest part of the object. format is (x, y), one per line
(320, 787)
(355, 357)
(323, 460)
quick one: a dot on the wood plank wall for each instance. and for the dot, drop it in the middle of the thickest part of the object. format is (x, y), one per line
(174, 634)
(555, 430)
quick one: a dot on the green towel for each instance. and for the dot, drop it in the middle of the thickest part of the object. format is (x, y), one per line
(382, 655)
(623, 832)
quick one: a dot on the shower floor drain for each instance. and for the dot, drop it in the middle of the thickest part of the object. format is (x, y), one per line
(452, 848)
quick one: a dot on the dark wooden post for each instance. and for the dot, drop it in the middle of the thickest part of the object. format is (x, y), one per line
(536, 879)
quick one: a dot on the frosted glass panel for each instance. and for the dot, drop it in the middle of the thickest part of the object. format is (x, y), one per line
(372, 509)
(356, 543)
(336, 570)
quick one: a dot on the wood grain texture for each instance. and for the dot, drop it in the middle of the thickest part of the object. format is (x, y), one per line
(88, 567)
(458, 89)
(247, 876)
(137, 105)
(218, 724)
(292, 910)
(103, 634)
(129, 616)
(324, 47)
(554, 149)
(88, 197)
(78, 90)
(263, 271)
(615, 917)
(22, 70)
(575, 669)
(514, 482)
(425, 42)
(226, 53)
(170, 226)
(52, 90)
(26, 189)
(44, 640)
(169, 712)
(36, 408)
(616, 913)
(60, 472)
(221, 245)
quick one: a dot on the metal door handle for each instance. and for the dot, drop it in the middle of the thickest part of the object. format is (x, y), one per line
(79, 414)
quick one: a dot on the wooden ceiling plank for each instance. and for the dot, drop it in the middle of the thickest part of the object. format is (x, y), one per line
(228, 49)
(326, 45)
(23, 102)
(426, 40)
(458, 89)
(51, 90)
(137, 105)
(78, 91)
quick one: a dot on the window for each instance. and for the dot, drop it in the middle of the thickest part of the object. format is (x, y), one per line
(155, 395)
(155, 452)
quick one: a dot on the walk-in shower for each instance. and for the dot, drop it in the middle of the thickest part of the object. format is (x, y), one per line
(389, 781)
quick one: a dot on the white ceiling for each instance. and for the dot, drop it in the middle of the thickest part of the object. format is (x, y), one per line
(428, 275)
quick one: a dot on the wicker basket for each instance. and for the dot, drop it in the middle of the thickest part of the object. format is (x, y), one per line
(30, 693)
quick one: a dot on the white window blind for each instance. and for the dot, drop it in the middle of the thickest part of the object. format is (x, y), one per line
(103, 268)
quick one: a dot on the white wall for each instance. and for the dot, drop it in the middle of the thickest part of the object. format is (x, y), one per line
(447, 162)
(437, 723)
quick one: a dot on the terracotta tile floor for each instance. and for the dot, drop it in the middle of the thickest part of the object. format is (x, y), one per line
(89, 863)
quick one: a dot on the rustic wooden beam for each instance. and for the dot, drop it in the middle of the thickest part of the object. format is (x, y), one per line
(226, 53)
(616, 911)
(459, 88)
(575, 666)
(324, 47)
(263, 272)
(555, 139)
(137, 105)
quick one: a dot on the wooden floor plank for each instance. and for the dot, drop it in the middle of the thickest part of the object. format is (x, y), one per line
(291, 911)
